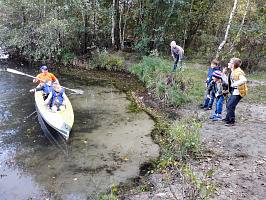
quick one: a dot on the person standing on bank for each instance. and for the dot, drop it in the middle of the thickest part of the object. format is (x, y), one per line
(237, 86)
(209, 102)
(45, 75)
(178, 54)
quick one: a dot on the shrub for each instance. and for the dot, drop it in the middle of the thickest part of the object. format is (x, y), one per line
(154, 72)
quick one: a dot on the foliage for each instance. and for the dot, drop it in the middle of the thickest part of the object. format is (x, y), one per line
(114, 63)
(51, 29)
(103, 60)
(198, 186)
(154, 72)
(180, 140)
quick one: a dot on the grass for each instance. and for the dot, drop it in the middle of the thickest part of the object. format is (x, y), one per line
(197, 89)
(256, 94)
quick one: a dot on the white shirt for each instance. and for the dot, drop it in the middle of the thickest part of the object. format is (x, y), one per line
(234, 84)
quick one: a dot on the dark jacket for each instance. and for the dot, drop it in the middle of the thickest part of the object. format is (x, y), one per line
(217, 92)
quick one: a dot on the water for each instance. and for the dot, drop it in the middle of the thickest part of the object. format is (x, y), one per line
(107, 144)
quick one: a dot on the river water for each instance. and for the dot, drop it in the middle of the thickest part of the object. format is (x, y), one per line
(107, 144)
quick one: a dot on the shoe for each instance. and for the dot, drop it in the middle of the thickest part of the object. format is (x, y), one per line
(226, 119)
(203, 106)
(213, 117)
(230, 123)
(208, 108)
(217, 117)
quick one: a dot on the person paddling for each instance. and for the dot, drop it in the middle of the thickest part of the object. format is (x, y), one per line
(44, 75)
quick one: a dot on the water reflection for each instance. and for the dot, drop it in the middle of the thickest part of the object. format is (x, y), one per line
(107, 144)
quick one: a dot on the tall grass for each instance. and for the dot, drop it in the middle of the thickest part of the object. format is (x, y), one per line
(156, 74)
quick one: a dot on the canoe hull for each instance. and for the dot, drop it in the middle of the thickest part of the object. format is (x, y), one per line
(61, 121)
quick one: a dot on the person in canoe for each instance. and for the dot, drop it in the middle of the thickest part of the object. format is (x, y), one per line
(56, 98)
(46, 88)
(44, 75)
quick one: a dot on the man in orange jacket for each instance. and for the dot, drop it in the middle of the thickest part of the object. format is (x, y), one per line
(44, 75)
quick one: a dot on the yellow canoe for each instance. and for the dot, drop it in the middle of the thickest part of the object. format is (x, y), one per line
(61, 121)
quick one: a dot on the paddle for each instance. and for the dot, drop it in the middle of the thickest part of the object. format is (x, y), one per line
(21, 73)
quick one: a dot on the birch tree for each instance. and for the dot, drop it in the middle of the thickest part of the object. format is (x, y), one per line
(227, 30)
(113, 26)
(241, 26)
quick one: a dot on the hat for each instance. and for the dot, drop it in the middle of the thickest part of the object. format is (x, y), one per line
(44, 67)
(217, 74)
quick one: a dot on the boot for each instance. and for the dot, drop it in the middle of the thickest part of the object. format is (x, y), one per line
(231, 122)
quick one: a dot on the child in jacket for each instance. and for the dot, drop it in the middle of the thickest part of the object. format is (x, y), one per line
(219, 89)
(56, 98)
(209, 102)
(46, 88)
(237, 85)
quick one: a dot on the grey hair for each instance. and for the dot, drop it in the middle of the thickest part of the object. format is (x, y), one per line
(173, 44)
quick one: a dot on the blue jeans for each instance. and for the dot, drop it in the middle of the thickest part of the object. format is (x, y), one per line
(180, 63)
(219, 105)
(209, 102)
(231, 106)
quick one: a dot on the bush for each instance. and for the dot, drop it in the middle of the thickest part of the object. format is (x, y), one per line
(114, 63)
(154, 72)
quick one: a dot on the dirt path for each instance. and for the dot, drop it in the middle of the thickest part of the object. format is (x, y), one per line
(239, 152)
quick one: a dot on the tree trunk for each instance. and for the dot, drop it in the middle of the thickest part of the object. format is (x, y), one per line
(227, 31)
(237, 35)
(113, 26)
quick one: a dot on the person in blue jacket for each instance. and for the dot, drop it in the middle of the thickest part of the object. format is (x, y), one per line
(219, 89)
(56, 98)
(46, 87)
(209, 102)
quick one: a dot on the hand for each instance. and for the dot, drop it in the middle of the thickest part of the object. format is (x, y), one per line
(208, 96)
(224, 91)
(32, 90)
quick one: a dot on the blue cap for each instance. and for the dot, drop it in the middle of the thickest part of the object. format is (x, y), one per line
(44, 67)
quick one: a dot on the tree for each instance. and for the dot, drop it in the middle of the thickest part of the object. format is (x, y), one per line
(227, 30)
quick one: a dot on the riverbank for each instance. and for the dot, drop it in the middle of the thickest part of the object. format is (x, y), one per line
(230, 162)
(233, 157)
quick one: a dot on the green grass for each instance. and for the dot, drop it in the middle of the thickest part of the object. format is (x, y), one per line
(196, 93)
(256, 94)
(257, 76)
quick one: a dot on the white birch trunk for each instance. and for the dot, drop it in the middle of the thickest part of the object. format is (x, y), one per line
(227, 31)
(237, 35)
(120, 29)
(113, 26)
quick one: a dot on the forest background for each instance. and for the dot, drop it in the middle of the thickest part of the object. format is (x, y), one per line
(86, 33)
(61, 30)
